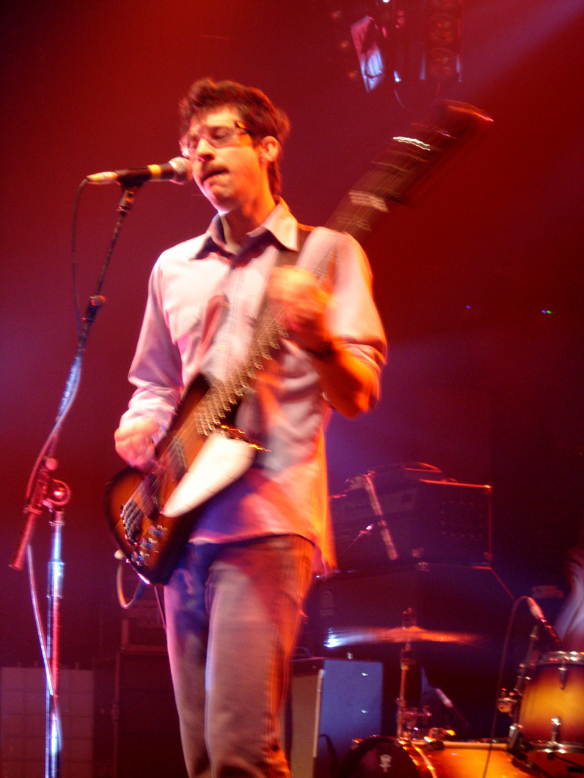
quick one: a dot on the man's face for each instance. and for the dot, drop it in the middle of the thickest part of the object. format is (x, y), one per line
(231, 176)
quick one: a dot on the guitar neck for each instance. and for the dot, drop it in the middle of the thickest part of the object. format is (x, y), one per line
(399, 172)
(221, 399)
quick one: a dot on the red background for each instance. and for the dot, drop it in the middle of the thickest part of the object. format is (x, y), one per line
(480, 382)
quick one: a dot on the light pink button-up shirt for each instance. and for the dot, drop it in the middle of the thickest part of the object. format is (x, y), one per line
(203, 302)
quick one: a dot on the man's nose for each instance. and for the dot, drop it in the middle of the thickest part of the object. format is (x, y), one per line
(204, 149)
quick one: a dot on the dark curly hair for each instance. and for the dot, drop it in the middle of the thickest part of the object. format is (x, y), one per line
(258, 113)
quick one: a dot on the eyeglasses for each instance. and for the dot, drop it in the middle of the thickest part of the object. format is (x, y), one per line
(215, 135)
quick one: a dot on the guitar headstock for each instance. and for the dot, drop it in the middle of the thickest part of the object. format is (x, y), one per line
(406, 166)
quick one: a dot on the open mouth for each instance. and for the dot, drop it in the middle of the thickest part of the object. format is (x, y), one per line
(208, 174)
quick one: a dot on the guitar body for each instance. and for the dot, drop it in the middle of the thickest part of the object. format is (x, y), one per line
(151, 515)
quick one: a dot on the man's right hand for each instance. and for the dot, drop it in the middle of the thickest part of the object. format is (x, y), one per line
(134, 442)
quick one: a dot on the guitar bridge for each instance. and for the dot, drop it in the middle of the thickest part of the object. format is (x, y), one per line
(143, 504)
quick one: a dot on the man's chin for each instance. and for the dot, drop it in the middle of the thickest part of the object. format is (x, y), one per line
(221, 201)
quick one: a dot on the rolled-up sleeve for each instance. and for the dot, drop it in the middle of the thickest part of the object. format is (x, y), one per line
(156, 369)
(352, 316)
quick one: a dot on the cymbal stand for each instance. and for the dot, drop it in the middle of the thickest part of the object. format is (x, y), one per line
(404, 728)
(407, 718)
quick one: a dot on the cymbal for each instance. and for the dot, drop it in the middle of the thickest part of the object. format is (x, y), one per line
(358, 635)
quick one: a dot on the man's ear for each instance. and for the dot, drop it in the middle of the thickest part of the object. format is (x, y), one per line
(270, 150)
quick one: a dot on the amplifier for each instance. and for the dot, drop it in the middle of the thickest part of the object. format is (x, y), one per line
(332, 702)
(427, 520)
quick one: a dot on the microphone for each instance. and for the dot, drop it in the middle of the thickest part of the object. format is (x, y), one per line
(537, 614)
(446, 701)
(178, 170)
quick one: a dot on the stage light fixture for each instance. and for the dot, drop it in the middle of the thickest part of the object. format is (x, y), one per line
(399, 41)
(368, 42)
(442, 40)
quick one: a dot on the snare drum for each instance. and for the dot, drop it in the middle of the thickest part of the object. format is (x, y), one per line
(551, 714)
(384, 757)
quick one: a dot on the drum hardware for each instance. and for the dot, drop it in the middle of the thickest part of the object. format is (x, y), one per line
(436, 737)
(544, 763)
(555, 728)
(509, 702)
(409, 719)
(515, 742)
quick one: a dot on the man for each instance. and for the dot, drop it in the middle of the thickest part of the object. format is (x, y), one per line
(234, 602)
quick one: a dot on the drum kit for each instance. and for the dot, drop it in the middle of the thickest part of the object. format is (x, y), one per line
(546, 737)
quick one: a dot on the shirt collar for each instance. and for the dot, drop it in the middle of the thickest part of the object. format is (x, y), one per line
(279, 223)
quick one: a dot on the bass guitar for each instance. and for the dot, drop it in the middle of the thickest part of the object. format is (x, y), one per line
(152, 514)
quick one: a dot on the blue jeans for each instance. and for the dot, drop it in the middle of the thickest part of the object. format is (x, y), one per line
(233, 612)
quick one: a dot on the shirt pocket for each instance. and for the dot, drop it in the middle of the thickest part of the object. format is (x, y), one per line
(185, 323)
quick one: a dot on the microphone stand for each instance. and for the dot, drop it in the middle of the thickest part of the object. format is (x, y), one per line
(380, 520)
(58, 498)
(45, 492)
(511, 703)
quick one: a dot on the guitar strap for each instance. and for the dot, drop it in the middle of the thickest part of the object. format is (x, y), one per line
(325, 264)
(289, 257)
(286, 257)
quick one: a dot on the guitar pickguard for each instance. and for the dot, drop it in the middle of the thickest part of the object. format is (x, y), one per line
(221, 460)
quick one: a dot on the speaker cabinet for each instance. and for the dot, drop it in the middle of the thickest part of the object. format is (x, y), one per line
(332, 701)
(136, 723)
